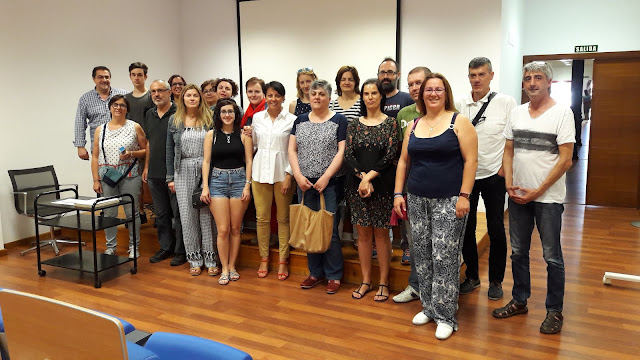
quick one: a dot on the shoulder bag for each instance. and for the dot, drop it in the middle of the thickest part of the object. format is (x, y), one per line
(310, 230)
(113, 177)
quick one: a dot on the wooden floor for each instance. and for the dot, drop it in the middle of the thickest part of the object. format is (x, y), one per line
(271, 319)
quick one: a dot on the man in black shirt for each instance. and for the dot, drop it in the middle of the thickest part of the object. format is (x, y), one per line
(165, 205)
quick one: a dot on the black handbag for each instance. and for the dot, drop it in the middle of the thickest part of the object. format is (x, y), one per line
(195, 196)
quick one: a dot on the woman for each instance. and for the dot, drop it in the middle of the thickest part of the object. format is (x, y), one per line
(316, 153)
(108, 141)
(441, 156)
(348, 101)
(226, 88)
(209, 92)
(271, 175)
(255, 93)
(301, 105)
(177, 83)
(185, 152)
(372, 146)
(228, 158)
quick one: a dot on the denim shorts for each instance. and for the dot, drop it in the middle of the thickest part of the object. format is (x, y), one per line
(227, 183)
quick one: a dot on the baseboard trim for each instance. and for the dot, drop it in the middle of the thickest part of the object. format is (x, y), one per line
(26, 241)
(4, 252)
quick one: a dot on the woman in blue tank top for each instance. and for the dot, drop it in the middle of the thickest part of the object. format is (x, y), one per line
(440, 157)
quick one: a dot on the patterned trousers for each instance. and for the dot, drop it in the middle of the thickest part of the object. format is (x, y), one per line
(437, 244)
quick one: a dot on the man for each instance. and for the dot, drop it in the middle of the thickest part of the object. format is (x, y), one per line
(165, 204)
(140, 102)
(93, 109)
(389, 74)
(489, 112)
(537, 154)
(139, 98)
(405, 116)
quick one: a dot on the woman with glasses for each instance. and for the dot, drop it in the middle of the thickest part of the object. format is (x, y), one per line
(304, 78)
(316, 154)
(118, 145)
(272, 176)
(228, 155)
(440, 157)
(209, 92)
(372, 146)
(185, 152)
(177, 83)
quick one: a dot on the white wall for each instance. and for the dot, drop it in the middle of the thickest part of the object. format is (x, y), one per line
(555, 27)
(49, 49)
(510, 69)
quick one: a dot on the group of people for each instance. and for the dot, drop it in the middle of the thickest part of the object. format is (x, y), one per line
(357, 148)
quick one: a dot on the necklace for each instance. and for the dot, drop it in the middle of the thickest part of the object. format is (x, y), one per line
(228, 137)
(436, 124)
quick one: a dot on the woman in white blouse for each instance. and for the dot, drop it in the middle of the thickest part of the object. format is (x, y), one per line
(272, 176)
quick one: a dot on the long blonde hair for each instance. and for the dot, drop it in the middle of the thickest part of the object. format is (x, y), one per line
(204, 117)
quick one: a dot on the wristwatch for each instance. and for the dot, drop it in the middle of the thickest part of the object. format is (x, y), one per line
(464, 195)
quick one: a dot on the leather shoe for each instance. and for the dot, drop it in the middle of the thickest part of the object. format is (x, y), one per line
(310, 282)
(160, 255)
(178, 260)
(333, 286)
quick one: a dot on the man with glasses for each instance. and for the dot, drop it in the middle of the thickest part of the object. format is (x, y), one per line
(389, 74)
(165, 204)
(405, 116)
(93, 109)
(489, 112)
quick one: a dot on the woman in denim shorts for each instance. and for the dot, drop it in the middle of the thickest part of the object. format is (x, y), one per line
(228, 154)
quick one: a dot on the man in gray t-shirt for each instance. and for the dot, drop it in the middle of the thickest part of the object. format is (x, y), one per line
(140, 98)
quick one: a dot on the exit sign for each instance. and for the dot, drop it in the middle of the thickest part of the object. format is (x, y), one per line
(586, 48)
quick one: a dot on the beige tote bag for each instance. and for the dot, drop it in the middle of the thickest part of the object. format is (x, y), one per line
(310, 230)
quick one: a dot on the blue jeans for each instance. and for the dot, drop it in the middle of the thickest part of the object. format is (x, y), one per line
(548, 219)
(328, 264)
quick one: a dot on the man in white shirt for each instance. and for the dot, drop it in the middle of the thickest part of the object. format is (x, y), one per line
(537, 154)
(488, 112)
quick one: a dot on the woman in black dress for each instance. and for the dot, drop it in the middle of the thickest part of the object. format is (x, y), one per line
(372, 145)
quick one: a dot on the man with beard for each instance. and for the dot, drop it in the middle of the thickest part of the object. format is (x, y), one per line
(389, 74)
(165, 204)
(93, 109)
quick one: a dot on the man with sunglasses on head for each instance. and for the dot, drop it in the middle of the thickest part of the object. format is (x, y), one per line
(389, 75)
(165, 204)
(93, 109)
(488, 112)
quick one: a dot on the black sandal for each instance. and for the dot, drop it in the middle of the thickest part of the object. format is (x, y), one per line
(509, 310)
(362, 294)
(552, 324)
(380, 294)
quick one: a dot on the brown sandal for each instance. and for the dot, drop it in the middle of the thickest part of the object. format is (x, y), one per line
(509, 310)
(213, 271)
(195, 271)
(552, 324)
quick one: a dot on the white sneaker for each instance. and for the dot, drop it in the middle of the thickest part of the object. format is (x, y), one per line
(131, 253)
(443, 331)
(406, 295)
(110, 251)
(420, 319)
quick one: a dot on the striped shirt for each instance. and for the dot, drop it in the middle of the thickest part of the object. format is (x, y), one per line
(92, 111)
(352, 113)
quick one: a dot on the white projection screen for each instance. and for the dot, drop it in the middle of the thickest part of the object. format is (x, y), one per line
(278, 37)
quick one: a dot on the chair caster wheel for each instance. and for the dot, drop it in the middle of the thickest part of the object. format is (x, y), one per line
(133, 271)
(42, 273)
(97, 285)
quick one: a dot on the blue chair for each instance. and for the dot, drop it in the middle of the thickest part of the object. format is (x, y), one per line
(169, 346)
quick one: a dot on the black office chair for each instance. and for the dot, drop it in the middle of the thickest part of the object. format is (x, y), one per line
(27, 184)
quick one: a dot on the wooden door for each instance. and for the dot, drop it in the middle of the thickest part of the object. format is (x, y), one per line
(613, 177)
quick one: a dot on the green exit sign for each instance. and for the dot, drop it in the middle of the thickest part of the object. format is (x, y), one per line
(586, 48)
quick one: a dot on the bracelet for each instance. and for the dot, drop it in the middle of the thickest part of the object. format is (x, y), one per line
(464, 195)
(95, 180)
(397, 195)
(248, 181)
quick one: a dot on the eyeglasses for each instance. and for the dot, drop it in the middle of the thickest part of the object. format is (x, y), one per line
(387, 73)
(227, 112)
(119, 106)
(438, 91)
(306, 69)
(178, 84)
(208, 91)
(159, 91)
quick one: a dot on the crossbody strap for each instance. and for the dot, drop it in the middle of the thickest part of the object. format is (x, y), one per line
(104, 154)
(476, 119)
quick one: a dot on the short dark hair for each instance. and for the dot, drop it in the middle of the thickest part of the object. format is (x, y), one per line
(449, 104)
(480, 61)
(277, 86)
(234, 86)
(255, 80)
(138, 65)
(115, 98)
(176, 76)
(383, 100)
(356, 78)
(424, 69)
(217, 121)
(393, 61)
(100, 67)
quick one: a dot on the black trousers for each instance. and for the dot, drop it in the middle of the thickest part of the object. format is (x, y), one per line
(165, 206)
(493, 193)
